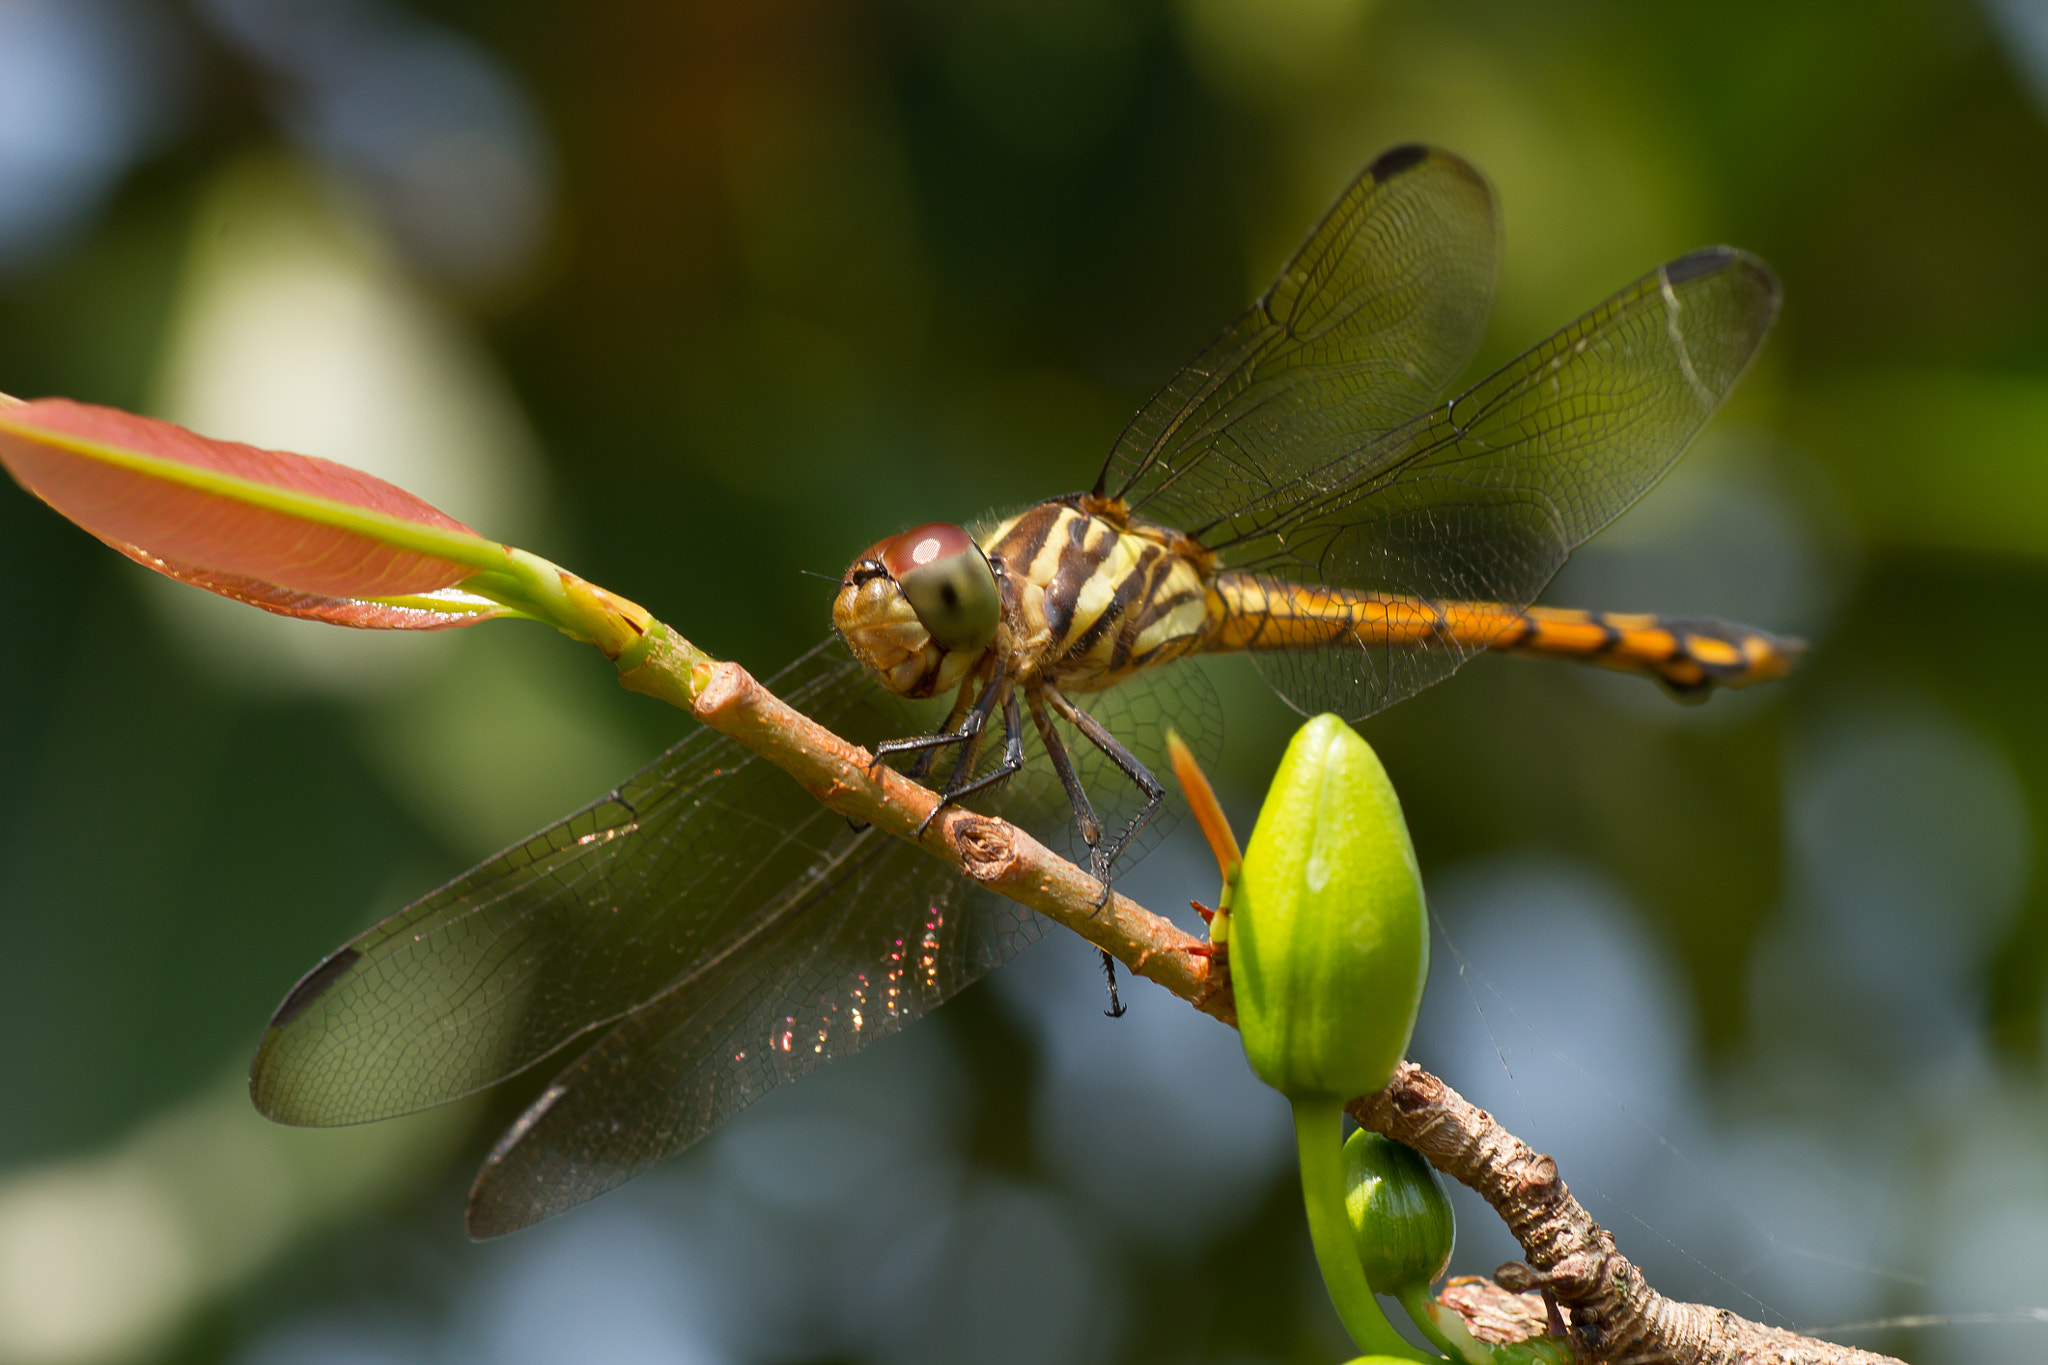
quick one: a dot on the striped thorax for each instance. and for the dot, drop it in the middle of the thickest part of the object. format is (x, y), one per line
(1101, 595)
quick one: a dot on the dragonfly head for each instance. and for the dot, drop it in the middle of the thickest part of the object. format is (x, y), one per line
(920, 609)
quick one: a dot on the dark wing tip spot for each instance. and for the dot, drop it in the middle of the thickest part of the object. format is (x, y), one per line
(1705, 261)
(314, 985)
(1395, 160)
(1710, 259)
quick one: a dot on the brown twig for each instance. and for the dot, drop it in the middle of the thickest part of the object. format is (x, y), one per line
(1615, 1315)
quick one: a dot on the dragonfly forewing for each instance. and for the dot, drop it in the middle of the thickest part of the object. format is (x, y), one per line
(1367, 324)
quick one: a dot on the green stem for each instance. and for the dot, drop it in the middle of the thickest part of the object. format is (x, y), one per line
(542, 583)
(1452, 1339)
(1319, 1141)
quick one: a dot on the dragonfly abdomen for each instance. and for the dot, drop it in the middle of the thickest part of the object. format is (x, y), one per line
(1257, 612)
(1688, 656)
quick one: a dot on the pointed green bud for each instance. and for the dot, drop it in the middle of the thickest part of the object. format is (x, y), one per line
(1329, 946)
(1399, 1213)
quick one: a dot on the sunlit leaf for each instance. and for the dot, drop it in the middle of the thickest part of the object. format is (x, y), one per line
(291, 534)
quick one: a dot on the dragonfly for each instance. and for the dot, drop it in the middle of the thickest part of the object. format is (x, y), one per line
(1301, 492)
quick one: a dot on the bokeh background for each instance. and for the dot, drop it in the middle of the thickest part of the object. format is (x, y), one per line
(696, 296)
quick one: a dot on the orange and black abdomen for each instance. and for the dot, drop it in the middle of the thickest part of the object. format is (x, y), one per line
(1691, 658)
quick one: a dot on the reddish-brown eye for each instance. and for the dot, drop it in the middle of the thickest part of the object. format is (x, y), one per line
(948, 583)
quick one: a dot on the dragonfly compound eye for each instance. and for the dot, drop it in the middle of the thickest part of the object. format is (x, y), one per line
(948, 583)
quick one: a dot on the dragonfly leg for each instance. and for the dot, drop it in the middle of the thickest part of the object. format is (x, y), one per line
(968, 720)
(927, 746)
(1091, 830)
(1128, 764)
(1077, 795)
(958, 790)
(970, 745)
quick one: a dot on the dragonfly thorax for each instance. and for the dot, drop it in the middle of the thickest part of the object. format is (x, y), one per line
(1100, 595)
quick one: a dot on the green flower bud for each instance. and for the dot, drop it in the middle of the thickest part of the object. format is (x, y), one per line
(1399, 1213)
(1328, 943)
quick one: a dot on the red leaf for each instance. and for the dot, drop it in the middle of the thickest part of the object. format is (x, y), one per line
(285, 558)
(441, 611)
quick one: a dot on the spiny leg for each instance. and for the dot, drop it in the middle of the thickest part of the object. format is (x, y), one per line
(925, 746)
(968, 719)
(1091, 830)
(1127, 763)
(1077, 795)
(928, 744)
(1013, 758)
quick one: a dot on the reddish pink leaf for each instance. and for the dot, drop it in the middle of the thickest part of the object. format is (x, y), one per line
(262, 555)
(415, 614)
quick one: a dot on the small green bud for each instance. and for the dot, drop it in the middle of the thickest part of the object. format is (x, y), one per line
(1399, 1213)
(1329, 947)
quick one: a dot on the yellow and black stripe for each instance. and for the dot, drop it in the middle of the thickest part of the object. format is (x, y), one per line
(1116, 598)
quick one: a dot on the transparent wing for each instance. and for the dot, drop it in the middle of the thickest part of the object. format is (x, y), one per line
(1367, 324)
(700, 877)
(878, 936)
(1482, 498)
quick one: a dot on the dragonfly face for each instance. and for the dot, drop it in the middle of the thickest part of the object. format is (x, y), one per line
(1301, 491)
(920, 609)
